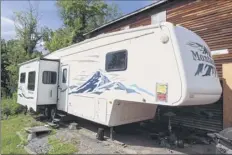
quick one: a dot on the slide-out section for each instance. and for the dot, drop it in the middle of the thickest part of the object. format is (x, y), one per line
(38, 81)
(28, 84)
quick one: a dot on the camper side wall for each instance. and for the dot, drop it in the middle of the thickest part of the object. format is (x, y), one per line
(127, 70)
(28, 84)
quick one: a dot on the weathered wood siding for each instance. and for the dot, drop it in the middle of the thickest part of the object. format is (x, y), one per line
(211, 19)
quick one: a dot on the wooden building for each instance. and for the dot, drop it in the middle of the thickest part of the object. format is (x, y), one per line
(212, 20)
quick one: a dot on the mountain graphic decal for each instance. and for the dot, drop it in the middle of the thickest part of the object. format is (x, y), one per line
(95, 81)
(113, 86)
(98, 83)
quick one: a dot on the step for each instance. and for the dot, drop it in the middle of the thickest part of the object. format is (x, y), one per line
(56, 120)
(37, 129)
(61, 115)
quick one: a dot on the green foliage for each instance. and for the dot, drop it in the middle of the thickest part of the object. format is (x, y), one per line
(4, 74)
(27, 29)
(60, 38)
(80, 17)
(13, 54)
(9, 138)
(10, 106)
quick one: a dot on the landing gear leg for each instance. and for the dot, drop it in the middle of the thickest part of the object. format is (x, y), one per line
(112, 133)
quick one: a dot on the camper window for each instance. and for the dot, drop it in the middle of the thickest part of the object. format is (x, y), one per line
(49, 77)
(64, 78)
(31, 81)
(22, 77)
(116, 61)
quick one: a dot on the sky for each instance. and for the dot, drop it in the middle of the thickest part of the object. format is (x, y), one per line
(48, 13)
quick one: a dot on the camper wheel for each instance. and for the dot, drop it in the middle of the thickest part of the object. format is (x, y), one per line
(47, 112)
(53, 113)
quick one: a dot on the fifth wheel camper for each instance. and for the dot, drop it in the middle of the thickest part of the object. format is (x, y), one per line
(121, 77)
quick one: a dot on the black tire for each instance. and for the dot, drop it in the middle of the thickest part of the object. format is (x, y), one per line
(47, 112)
(25, 110)
(53, 113)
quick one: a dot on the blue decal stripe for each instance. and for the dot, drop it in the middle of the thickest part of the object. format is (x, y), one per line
(142, 90)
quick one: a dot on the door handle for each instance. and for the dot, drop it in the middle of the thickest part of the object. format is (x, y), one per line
(51, 93)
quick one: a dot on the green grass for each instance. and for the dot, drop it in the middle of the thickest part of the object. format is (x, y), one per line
(18, 123)
(13, 144)
(8, 136)
(10, 140)
(59, 147)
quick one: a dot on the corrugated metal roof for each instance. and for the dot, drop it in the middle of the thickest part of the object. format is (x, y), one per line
(129, 15)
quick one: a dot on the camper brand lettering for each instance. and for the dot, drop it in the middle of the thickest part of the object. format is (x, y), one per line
(199, 57)
(202, 54)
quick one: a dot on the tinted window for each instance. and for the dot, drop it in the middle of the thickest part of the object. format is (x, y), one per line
(116, 61)
(31, 81)
(49, 77)
(64, 78)
(22, 77)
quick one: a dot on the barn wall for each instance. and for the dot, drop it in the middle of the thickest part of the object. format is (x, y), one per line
(211, 19)
(141, 19)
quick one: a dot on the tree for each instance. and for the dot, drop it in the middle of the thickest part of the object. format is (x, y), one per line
(58, 39)
(79, 17)
(19, 50)
(112, 12)
(27, 28)
(15, 55)
(4, 73)
(12, 54)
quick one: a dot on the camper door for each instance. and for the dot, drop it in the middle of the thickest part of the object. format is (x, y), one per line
(63, 88)
(48, 82)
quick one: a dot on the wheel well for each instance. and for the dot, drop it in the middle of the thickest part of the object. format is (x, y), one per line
(41, 108)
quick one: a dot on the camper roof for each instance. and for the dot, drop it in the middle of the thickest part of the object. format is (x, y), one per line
(36, 59)
(108, 35)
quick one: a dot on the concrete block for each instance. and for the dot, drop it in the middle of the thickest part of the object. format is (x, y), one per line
(73, 126)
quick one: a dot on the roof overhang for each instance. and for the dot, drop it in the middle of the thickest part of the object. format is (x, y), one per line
(157, 2)
(37, 59)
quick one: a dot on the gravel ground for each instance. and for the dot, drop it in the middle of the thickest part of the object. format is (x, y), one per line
(85, 140)
(39, 145)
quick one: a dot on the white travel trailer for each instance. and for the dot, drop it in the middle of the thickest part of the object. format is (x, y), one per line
(121, 77)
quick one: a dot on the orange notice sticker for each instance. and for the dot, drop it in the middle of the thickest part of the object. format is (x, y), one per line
(161, 92)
